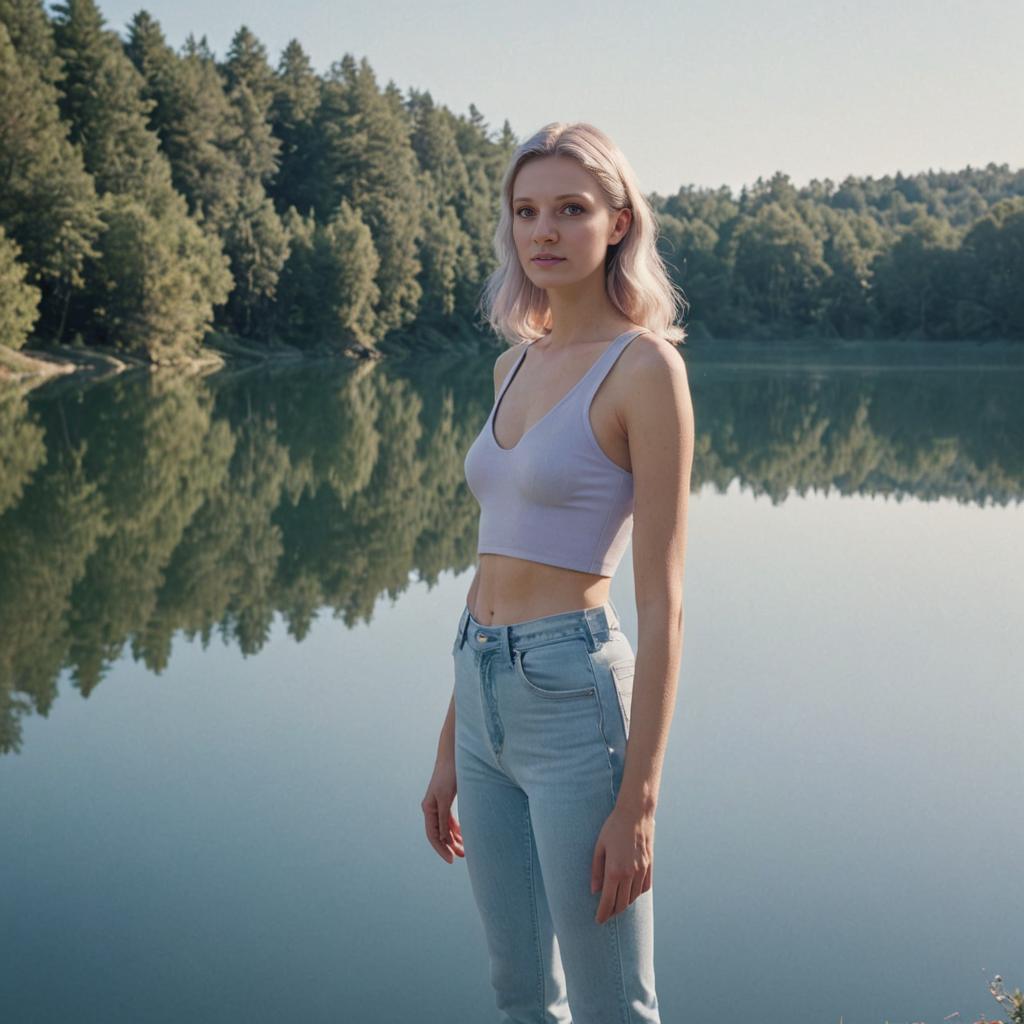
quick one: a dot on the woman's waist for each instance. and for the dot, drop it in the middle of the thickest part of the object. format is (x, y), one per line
(511, 590)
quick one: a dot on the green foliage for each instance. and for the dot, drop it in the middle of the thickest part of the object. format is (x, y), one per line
(366, 158)
(257, 244)
(293, 113)
(415, 189)
(102, 100)
(48, 203)
(873, 258)
(327, 290)
(19, 301)
(993, 272)
(156, 279)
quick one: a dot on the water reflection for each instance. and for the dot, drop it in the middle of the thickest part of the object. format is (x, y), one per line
(140, 507)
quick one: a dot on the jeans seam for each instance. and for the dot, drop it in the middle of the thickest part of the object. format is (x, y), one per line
(546, 640)
(604, 735)
(533, 908)
(622, 980)
(624, 1003)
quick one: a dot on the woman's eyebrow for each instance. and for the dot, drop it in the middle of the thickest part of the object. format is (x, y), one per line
(567, 195)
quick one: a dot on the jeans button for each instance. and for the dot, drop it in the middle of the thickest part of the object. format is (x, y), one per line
(482, 637)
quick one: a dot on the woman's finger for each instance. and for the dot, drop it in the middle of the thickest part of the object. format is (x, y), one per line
(432, 825)
(609, 898)
(638, 885)
(623, 899)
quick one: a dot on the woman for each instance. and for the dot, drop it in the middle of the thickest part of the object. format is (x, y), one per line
(590, 439)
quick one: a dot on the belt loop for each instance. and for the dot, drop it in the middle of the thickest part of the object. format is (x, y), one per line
(463, 623)
(588, 626)
(596, 621)
(511, 650)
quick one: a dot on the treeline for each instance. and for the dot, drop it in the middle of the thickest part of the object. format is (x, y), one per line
(150, 196)
(938, 255)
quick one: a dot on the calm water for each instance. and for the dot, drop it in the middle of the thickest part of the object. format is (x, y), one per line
(227, 608)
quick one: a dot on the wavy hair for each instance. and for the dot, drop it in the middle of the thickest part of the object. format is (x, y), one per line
(636, 278)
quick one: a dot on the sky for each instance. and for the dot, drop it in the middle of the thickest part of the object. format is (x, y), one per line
(708, 93)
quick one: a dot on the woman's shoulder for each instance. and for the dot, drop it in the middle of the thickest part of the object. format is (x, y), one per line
(651, 349)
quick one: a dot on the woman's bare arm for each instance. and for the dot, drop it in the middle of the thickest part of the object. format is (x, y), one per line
(659, 419)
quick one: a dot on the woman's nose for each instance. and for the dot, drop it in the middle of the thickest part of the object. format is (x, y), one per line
(543, 231)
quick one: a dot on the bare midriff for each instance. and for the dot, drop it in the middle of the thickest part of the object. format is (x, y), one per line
(508, 590)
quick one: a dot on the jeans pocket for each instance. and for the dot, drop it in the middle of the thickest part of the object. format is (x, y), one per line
(556, 670)
(622, 674)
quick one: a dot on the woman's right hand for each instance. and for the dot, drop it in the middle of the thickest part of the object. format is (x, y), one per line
(441, 824)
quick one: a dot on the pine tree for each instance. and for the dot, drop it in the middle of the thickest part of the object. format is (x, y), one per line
(247, 65)
(367, 159)
(255, 239)
(157, 276)
(19, 300)
(327, 290)
(293, 116)
(48, 202)
(102, 100)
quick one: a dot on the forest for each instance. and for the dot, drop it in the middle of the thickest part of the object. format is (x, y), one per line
(156, 202)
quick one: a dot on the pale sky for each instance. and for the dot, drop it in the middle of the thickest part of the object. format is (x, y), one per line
(703, 93)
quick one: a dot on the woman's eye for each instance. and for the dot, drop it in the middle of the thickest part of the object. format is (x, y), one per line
(567, 206)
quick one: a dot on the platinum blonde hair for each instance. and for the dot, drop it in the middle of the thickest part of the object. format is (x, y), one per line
(636, 278)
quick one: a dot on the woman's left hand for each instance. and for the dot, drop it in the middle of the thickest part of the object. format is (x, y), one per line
(623, 863)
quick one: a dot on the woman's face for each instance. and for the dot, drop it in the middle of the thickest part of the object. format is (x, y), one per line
(558, 207)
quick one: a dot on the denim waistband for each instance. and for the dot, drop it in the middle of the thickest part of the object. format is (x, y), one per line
(594, 624)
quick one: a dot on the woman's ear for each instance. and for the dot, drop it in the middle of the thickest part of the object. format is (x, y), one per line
(623, 218)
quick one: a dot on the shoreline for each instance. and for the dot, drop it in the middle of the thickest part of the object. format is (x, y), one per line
(29, 368)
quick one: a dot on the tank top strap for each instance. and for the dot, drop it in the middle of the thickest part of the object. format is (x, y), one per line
(605, 362)
(524, 345)
(508, 376)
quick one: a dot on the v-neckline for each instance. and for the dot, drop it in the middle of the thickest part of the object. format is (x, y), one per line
(514, 373)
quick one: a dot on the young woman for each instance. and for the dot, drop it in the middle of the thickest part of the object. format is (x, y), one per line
(590, 440)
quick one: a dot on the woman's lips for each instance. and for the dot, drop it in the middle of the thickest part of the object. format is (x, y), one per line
(547, 262)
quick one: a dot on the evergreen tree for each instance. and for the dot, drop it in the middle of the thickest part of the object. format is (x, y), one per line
(19, 300)
(256, 242)
(102, 100)
(199, 131)
(158, 276)
(247, 65)
(254, 236)
(148, 51)
(367, 159)
(48, 203)
(327, 288)
(293, 117)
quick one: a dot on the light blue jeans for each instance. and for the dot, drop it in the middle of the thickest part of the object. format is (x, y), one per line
(541, 722)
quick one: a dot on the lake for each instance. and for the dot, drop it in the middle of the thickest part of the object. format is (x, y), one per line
(227, 608)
